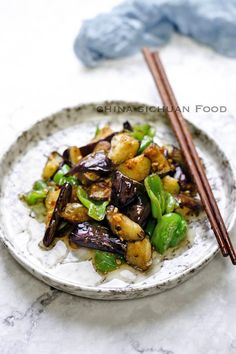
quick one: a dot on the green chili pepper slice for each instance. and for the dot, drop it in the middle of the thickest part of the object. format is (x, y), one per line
(140, 130)
(156, 194)
(35, 196)
(145, 142)
(96, 210)
(105, 262)
(60, 178)
(180, 233)
(170, 230)
(171, 203)
(40, 185)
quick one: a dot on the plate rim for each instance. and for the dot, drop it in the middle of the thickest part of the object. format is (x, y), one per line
(130, 289)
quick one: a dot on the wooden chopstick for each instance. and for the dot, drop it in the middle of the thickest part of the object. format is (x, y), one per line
(190, 154)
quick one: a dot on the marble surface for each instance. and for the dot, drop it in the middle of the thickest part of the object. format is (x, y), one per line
(39, 75)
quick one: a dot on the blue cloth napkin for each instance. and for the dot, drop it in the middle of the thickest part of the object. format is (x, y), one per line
(138, 23)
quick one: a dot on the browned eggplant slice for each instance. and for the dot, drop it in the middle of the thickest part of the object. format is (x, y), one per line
(97, 162)
(140, 210)
(97, 236)
(62, 200)
(124, 190)
(185, 181)
(72, 155)
(75, 212)
(102, 146)
(187, 201)
(88, 149)
(123, 226)
(160, 164)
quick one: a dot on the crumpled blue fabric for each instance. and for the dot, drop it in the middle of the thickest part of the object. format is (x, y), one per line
(137, 23)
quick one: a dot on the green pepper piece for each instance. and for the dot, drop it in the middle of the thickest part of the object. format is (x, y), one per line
(105, 262)
(40, 185)
(180, 233)
(72, 180)
(171, 203)
(140, 130)
(59, 176)
(96, 210)
(146, 141)
(170, 230)
(156, 193)
(35, 196)
(150, 226)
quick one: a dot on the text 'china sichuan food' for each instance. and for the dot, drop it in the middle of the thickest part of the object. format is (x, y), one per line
(121, 195)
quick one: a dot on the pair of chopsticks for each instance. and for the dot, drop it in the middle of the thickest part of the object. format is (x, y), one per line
(190, 153)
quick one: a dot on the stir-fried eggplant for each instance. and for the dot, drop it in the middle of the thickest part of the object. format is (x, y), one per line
(97, 236)
(124, 227)
(62, 200)
(52, 165)
(105, 194)
(139, 254)
(137, 168)
(96, 162)
(124, 190)
(123, 147)
(140, 210)
(72, 155)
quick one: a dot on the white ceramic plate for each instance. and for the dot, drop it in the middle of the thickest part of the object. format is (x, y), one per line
(72, 271)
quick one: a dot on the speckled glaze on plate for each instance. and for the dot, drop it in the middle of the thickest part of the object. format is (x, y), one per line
(73, 272)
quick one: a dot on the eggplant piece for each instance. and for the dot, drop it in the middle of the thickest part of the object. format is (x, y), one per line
(72, 156)
(127, 126)
(170, 184)
(160, 164)
(52, 165)
(137, 168)
(102, 146)
(65, 230)
(185, 181)
(96, 236)
(62, 200)
(173, 153)
(123, 147)
(187, 201)
(96, 162)
(87, 178)
(139, 254)
(88, 149)
(123, 226)
(124, 190)
(102, 133)
(75, 212)
(100, 191)
(140, 210)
